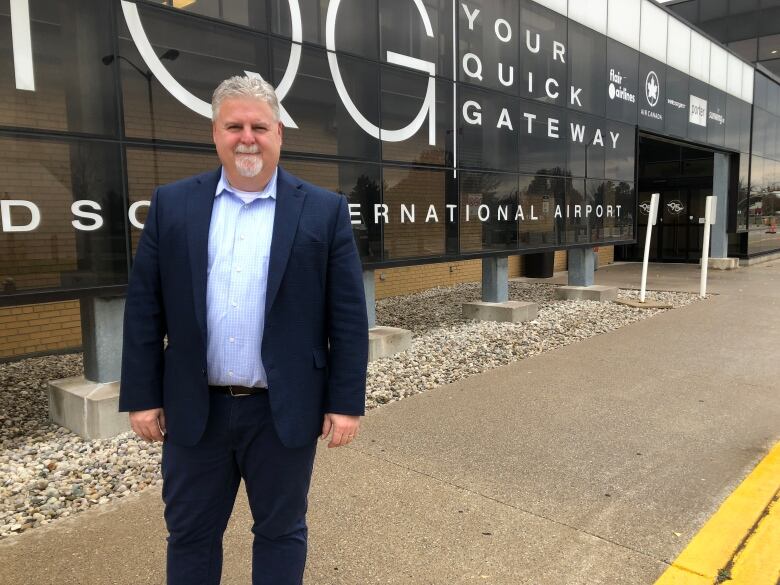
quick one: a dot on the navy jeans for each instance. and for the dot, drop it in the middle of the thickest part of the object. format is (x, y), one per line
(200, 485)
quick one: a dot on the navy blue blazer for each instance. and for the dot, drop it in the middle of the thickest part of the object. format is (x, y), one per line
(315, 341)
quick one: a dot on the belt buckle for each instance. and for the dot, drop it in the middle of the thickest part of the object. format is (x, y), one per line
(239, 395)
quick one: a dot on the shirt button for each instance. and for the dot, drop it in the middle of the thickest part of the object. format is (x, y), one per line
(234, 303)
(231, 339)
(238, 269)
(230, 372)
(243, 237)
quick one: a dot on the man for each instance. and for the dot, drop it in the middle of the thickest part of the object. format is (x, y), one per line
(254, 277)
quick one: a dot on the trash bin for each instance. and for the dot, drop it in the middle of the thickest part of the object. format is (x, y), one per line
(540, 265)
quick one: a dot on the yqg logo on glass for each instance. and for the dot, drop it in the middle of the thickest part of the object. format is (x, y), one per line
(203, 108)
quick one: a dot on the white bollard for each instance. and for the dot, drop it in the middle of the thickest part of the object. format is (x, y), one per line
(709, 219)
(650, 223)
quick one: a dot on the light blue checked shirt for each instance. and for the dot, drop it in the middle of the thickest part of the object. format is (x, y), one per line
(239, 249)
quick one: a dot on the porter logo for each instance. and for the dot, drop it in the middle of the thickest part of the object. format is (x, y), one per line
(644, 208)
(698, 111)
(675, 207)
(652, 88)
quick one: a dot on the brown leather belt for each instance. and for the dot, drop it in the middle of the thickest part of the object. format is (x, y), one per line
(237, 391)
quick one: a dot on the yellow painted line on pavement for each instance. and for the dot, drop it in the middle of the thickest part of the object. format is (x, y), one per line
(723, 534)
(759, 562)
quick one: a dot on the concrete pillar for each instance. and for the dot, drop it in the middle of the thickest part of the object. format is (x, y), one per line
(581, 267)
(495, 279)
(369, 287)
(88, 405)
(101, 337)
(581, 287)
(719, 246)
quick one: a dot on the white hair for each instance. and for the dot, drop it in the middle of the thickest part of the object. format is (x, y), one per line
(245, 87)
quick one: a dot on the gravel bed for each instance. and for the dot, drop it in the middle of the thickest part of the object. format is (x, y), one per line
(47, 472)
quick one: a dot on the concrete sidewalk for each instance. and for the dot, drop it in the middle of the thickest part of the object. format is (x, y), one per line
(595, 463)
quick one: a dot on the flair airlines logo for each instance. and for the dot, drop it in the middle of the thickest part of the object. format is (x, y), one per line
(616, 89)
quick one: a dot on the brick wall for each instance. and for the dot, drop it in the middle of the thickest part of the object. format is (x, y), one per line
(53, 326)
(38, 328)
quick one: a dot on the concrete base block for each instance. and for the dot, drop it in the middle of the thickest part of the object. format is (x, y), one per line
(722, 263)
(387, 341)
(508, 312)
(87, 408)
(594, 292)
(759, 259)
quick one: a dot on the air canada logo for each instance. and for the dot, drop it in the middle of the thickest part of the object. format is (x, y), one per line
(675, 207)
(652, 89)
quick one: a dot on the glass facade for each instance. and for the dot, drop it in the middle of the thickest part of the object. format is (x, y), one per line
(504, 127)
(750, 28)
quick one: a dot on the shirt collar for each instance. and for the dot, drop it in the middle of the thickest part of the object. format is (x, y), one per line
(224, 185)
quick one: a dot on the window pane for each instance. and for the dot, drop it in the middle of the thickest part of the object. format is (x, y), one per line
(480, 143)
(488, 206)
(743, 193)
(481, 47)
(540, 196)
(148, 168)
(620, 160)
(324, 125)
(538, 60)
(356, 28)
(543, 138)
(587, 60)
(411, 193)
(40, 248)
(652, 93)
(403, 97)
(622, 82)
(199, 55)
(65, 62)
(676, 103)
(360, 183)
(716, 117)
(402, 31)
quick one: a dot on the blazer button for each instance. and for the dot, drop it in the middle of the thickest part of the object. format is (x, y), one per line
(203, 371)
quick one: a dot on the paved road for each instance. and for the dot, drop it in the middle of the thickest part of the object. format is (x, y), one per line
(592, 464)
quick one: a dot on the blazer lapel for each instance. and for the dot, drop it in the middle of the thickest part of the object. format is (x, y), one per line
(289, 203)
(199, 205)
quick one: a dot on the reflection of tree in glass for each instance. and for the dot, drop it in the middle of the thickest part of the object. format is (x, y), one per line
(366, 193)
